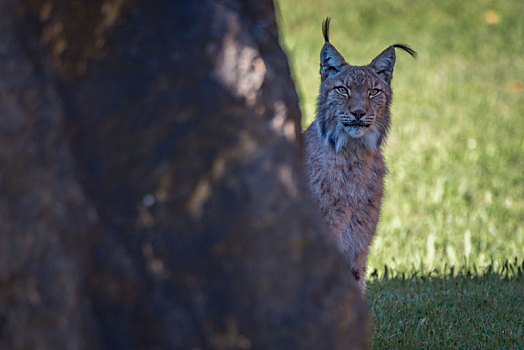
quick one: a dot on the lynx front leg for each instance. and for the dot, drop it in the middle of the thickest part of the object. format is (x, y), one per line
(358, 268)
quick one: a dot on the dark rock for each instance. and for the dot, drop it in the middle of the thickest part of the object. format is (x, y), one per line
(152, 193)
(44, 215)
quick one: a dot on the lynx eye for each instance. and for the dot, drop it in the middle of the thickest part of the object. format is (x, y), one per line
(342, 90)
(374, 92)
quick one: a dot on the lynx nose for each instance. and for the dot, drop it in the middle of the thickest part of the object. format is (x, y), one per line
(358, 113)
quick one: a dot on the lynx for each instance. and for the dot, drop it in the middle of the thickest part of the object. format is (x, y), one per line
(343, 148)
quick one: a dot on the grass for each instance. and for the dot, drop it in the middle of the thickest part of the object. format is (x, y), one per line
(455, 188)
(462, 310)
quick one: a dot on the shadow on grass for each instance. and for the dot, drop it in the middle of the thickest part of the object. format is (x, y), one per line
(463, 308)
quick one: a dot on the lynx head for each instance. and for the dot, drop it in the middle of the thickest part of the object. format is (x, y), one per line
(353, 104)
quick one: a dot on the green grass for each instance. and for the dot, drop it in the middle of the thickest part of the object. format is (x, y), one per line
(455, 189)
(463, 310)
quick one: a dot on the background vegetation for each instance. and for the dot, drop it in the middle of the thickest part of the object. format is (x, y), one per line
(455, 189)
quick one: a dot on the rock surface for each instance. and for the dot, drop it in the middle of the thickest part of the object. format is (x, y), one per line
(151, 191)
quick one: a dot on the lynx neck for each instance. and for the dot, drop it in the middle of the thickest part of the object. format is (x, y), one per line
(356, 149)
(353, 150)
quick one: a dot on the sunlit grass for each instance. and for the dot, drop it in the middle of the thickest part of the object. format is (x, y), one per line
(455, 188)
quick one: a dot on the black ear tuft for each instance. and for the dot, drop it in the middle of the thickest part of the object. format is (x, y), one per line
(325, 28)
(406, 48)
(331, 61)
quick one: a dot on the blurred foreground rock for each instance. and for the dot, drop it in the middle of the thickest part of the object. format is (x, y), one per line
(151, 190)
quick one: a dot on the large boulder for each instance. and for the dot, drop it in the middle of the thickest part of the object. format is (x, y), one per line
(152, 191)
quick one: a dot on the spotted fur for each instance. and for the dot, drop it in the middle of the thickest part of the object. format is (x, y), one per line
(343, 148)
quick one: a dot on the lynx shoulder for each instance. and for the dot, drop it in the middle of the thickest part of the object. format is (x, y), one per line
(343, 148)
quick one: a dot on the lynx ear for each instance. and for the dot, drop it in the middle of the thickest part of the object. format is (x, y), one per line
(384, 63)
(331, 61)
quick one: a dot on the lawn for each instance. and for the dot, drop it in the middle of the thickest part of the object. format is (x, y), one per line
(455, 188)
(464, 311)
